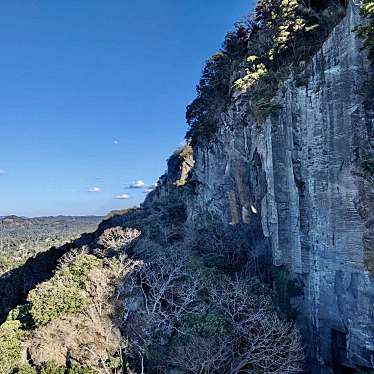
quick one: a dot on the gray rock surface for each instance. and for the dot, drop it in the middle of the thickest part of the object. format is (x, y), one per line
(296, 181)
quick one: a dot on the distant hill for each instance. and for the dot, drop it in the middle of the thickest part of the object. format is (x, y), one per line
(22, 237)
(13, 221)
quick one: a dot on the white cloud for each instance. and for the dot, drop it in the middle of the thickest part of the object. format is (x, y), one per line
(122, 197)
(2, 171)
(94, 189)
(137, 184)
(147, 190)
(116, 142)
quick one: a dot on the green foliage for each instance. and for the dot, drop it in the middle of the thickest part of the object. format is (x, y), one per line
(114, 362)
(293, 287)
(21, 314)
(154, 346)
(11, 337)
(219, 248)
(214, 87)
(78, 269)
(203, 124)
(280, 37)
(8, 262)
(63, 294)
(22, 238)
(264, 108)
(78, 369)
(286, 34)
(52, 368)
(51, 301)
(367, 165)
(211, 324)
(366, 32)
(286, 288)
(26, 369)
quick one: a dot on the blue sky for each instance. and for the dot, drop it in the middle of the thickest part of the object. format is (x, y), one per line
(93, 96)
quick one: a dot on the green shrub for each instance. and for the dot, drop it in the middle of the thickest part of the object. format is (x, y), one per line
(8, 262)
(366, 32)
(11, 337)
(26, 369)
(260, 54)
(211, 324)
(78, 369)
(368, 165)
(154, 346)
(21, 313)
(52, 368)
(63, 294)
(264, 108)
(79, 268)
(287, 35)
(286, 288)
(203, 114)
(114, 362)
(51, 301)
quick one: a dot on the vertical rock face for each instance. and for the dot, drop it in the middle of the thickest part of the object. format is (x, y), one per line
(296, 182)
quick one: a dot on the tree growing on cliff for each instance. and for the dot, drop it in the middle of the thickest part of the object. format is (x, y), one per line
(214, 87)
(277, 39)
(115, 239)
(366, 32)
(200, 320)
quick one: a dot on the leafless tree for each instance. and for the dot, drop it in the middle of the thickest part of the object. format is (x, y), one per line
(202, 354)
(264, 343)
(169, 285)
(116, 238)
(254, 338)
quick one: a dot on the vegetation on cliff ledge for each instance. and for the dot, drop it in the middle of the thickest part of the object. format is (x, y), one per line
(280, 37)
(366, 32)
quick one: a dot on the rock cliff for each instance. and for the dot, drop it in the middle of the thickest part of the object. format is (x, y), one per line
(296, 184)
(284, 200)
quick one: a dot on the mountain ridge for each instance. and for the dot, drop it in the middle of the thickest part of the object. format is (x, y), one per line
(273, 214)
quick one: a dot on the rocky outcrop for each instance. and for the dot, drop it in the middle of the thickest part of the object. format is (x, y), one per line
(296, 182)
(294, 190)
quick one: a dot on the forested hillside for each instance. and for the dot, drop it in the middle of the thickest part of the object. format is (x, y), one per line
(22, 237)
